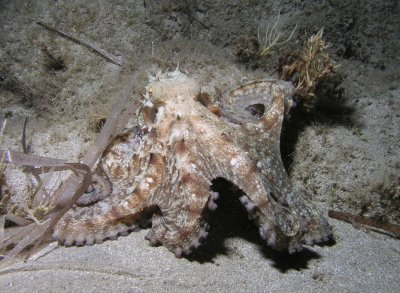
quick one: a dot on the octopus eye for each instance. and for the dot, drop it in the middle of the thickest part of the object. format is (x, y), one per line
(256, 110)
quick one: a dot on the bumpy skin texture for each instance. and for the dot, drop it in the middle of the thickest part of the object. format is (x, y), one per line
(162, 171)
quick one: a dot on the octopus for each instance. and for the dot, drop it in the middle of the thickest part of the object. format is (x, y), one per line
(160, 174)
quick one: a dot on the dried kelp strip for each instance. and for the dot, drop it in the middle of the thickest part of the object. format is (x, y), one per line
(130, 111)
(110, 128)
(34, 232)
(374, 224)
(3, 165)
(109, 57)
(2, 224)
(26, 235)
(41, 195)
(64, 266)
(22, 159)
(72, 189)
(23, 139)
(63, 198)
(20, 221)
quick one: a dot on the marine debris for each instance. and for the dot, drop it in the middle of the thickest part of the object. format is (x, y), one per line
(367, 222)
(103, 53)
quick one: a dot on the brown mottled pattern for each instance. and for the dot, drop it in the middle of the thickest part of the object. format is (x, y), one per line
(163, 170)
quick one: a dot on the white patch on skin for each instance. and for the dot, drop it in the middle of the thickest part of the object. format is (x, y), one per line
(175, 133)
(267, 162)
(130, 189)
(149, 180)
(234, 161)
(178, 133)
(104, 207)
(144, 185)
(180, 98)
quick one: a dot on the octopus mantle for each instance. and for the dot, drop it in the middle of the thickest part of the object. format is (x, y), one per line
(162, 171)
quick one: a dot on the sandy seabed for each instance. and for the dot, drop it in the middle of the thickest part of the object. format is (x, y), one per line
(346, 153)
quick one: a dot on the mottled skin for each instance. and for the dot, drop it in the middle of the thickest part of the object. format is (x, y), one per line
(163, 170)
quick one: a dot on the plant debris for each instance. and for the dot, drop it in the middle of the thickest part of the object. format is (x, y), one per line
(306, 68)
(48, 207)
(371, 223)
(52, 62)
(109, 57)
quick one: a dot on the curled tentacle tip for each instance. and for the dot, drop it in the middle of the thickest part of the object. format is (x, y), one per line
(195, 244)
(204, 235)
(152, 239)
(309, 241)
(316, 240)
(214, 195)
(114, 237)
(89, 241)
(123, 233)
(80, 242)
(271, 238)
(262, 233)
(326, 238)
(68, 242)
(212, 205)
(295, 248)
(54, 236)
(244, 199)
(187, 251)
(249, 205)
(99, 241)
(178, 252)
